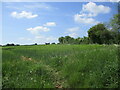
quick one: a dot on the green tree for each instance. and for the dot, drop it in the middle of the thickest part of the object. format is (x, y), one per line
(99, 34)
(85, 40)
(78, 40)
(114, 24)
(69, 40)
(106, 37)
(61, 40)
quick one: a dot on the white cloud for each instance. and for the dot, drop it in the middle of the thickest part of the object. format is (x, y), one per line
(73, 35)
(89, 11)
(38, 29)
(38, 38)
(87, 20)
(74, 29)
(94, 9)
(50, 24)
(23, 14)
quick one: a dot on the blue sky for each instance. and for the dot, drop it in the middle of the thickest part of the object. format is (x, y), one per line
(32, 22)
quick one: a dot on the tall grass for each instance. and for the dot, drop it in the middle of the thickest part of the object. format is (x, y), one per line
(69, 66)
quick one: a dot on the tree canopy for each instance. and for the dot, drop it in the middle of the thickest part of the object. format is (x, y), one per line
(99, 34)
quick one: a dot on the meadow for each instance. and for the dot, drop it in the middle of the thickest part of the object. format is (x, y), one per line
(60, 66)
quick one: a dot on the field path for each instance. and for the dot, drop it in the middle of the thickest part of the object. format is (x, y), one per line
(58, 80)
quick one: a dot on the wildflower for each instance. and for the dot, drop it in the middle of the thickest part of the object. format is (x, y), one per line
(82, 74)
(31, 78)
(35, 81)
(30, 71)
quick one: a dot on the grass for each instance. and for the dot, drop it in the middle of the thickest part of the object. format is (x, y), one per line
(60, 66)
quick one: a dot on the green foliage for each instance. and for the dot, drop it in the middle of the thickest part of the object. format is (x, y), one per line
(99, 34)
(61, 40)
(50, 66)
(115, 23)
(114, 26)
(71, 40)
(66, 40)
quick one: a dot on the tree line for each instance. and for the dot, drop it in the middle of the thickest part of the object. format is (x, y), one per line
(98, 34)
(12, 44)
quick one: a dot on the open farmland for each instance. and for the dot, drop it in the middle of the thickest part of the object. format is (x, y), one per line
(60, 66)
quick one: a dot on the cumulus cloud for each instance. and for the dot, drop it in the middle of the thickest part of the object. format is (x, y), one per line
(88, 20)
(89, 11)
(94, 9)
(50, 24)
(23, 14)
(38, 29)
